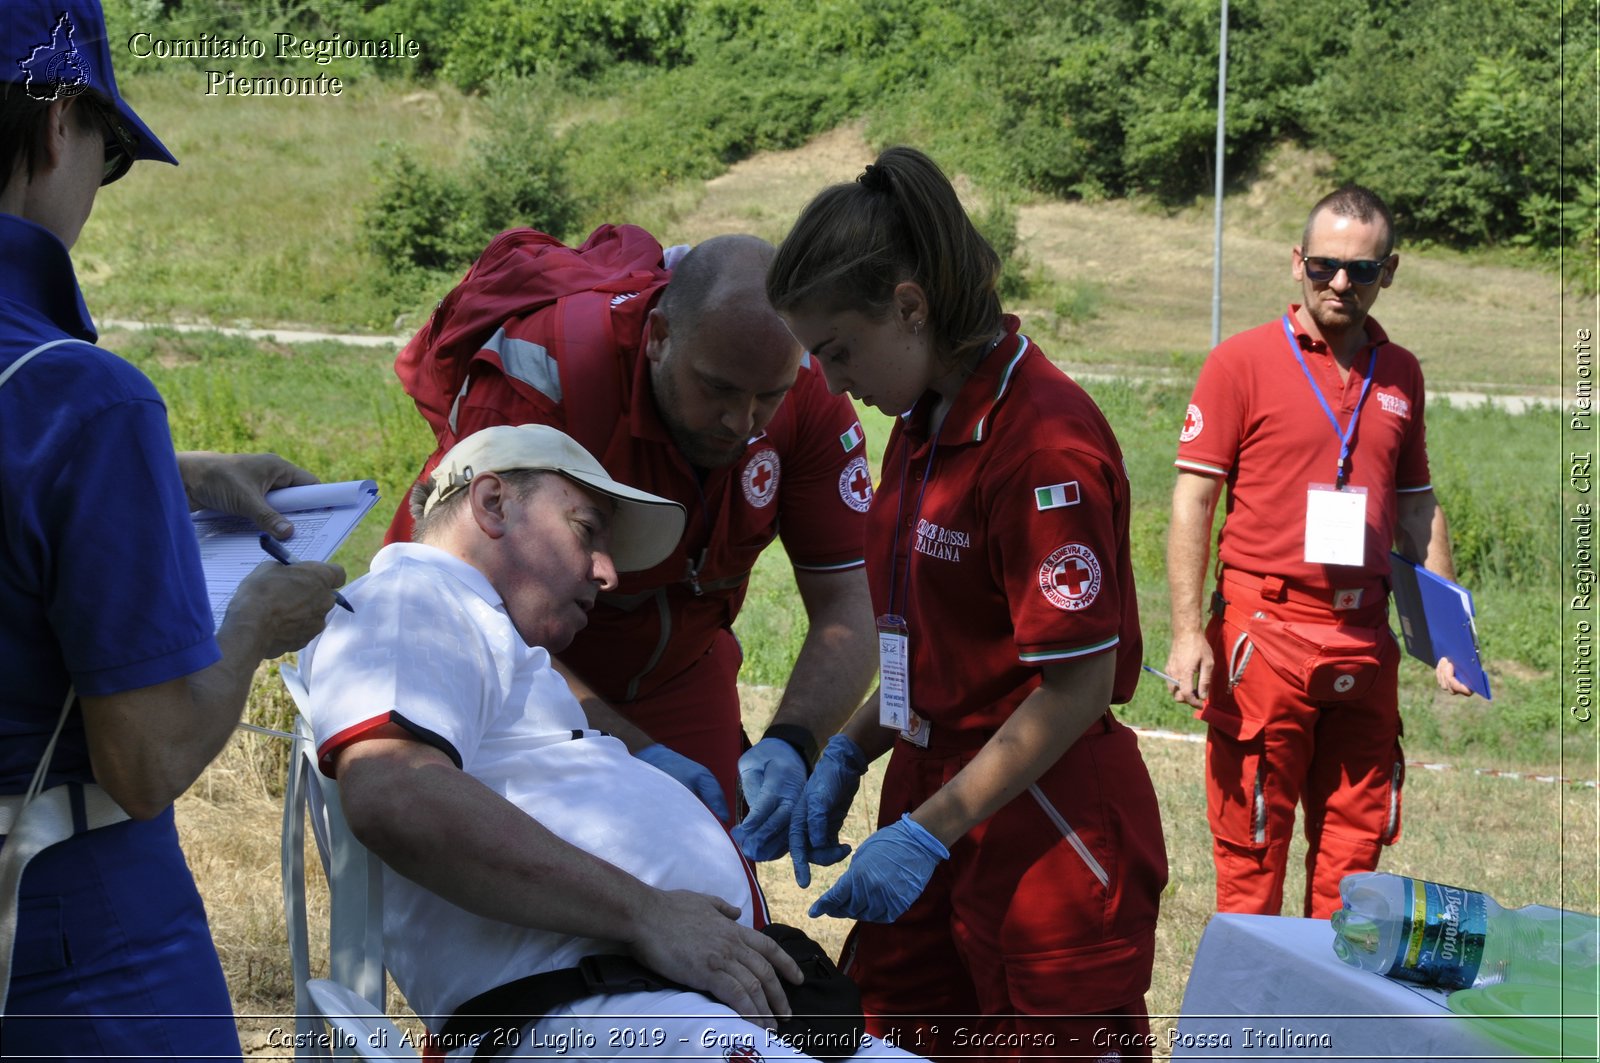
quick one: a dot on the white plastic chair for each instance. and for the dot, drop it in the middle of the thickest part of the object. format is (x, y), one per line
(355, 888)
(357, 1027)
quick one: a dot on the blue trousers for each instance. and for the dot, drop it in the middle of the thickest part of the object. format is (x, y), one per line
(114, 958)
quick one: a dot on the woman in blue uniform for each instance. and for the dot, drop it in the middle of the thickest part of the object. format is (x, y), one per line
(117, 690)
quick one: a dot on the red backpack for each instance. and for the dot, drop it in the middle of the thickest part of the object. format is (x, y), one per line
(600, 291)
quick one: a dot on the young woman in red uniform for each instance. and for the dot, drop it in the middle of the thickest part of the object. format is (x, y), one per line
(1007, 903)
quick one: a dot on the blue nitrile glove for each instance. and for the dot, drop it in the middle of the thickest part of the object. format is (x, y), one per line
(694, 775)
(771, 773)
(890, 871)
(818, 815)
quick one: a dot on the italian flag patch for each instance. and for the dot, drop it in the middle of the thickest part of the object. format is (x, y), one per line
(1056, 496)
(851, 439)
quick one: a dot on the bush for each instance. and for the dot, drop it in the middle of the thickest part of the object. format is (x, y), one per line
(437, 219)
(499, 38)
(998, 224)
(417, 218)
(1480, 158)
(475, 43)
(1451, 111)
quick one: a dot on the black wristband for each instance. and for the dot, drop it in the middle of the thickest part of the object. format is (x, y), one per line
(797, 737)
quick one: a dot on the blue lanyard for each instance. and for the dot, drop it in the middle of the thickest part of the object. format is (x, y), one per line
(899, 509)
(1349, 430)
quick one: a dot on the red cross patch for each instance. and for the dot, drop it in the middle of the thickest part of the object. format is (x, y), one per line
(1348, 599)
(1070, 577)
(855, 484)
(1193, 424)
(742, 1053)
(760, 478)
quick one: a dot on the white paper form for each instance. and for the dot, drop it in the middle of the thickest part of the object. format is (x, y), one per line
(323, 515)
(1336, 525)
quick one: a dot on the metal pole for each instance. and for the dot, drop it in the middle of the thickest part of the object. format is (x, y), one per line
(1222, 103)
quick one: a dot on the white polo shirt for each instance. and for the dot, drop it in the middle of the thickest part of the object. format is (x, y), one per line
(430, 647)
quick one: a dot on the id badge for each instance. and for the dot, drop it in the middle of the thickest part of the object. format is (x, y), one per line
(1336, 525)
(894, 678)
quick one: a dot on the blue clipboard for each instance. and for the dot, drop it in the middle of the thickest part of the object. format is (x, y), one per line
(1436, 621)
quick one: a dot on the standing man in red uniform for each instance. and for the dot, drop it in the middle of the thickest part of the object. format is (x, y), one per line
(1315, 423)
(691, 387)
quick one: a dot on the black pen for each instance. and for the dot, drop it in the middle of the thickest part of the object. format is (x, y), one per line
(284, 557)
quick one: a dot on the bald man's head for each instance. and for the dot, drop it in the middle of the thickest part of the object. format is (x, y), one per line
(721, 359)
(723, 270)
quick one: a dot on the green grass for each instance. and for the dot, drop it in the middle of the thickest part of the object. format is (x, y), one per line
(336, 410)
(340, 412)
(260, 221)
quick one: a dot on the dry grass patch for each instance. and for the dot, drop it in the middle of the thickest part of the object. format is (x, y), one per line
(1474, 323)
(1522, 842)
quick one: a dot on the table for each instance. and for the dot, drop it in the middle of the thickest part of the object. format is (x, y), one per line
(1268, 987)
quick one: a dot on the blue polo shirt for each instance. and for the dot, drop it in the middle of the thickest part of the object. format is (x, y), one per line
(100, 579)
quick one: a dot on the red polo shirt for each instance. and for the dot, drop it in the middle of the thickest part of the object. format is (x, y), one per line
(806, 478)
(1013, 527)
(1255, 421)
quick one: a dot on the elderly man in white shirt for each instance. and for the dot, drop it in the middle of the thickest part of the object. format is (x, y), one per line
(517, 840)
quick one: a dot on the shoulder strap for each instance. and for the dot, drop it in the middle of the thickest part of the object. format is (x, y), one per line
(591, 369)
(50, 748)
(25, 359)
(14, 857)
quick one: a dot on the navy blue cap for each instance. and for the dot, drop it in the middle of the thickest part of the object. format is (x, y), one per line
(59, 48)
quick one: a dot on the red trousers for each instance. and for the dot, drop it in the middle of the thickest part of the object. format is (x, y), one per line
(1269, 747)
(1022, 944)
(696, 713)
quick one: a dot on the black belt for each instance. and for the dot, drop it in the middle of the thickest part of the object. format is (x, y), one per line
(518, 1005)
(826, 1024)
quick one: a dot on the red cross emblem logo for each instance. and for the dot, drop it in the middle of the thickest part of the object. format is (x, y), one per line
(855, 484)
(1070, 577)
(760, 478)
(1350, 599)
(1193, 423)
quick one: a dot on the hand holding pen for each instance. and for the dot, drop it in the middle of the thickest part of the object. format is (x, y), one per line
(280, 554)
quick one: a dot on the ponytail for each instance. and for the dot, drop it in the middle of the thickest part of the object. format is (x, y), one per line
(900, 220)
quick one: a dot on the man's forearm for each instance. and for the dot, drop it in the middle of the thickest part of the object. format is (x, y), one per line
(837, 660)
(1422, 533)
(503, 865)
(1189, 549)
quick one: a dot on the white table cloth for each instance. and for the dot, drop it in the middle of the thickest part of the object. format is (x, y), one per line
(1267, 987)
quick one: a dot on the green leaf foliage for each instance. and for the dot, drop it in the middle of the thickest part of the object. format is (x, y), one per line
(428, 218)
(1452, 109)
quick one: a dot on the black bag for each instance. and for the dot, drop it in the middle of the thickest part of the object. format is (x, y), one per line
(827, 1021)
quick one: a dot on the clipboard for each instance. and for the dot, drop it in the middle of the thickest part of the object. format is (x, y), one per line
(324, 515)
(1436, 621)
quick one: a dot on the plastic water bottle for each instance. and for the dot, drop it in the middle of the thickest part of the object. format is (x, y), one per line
(1456, 938)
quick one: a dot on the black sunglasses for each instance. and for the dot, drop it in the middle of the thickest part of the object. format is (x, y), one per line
(1360, 270)
(120, 143)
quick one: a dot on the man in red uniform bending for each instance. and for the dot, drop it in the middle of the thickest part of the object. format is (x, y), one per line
(685, 382)
(1315, 423)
